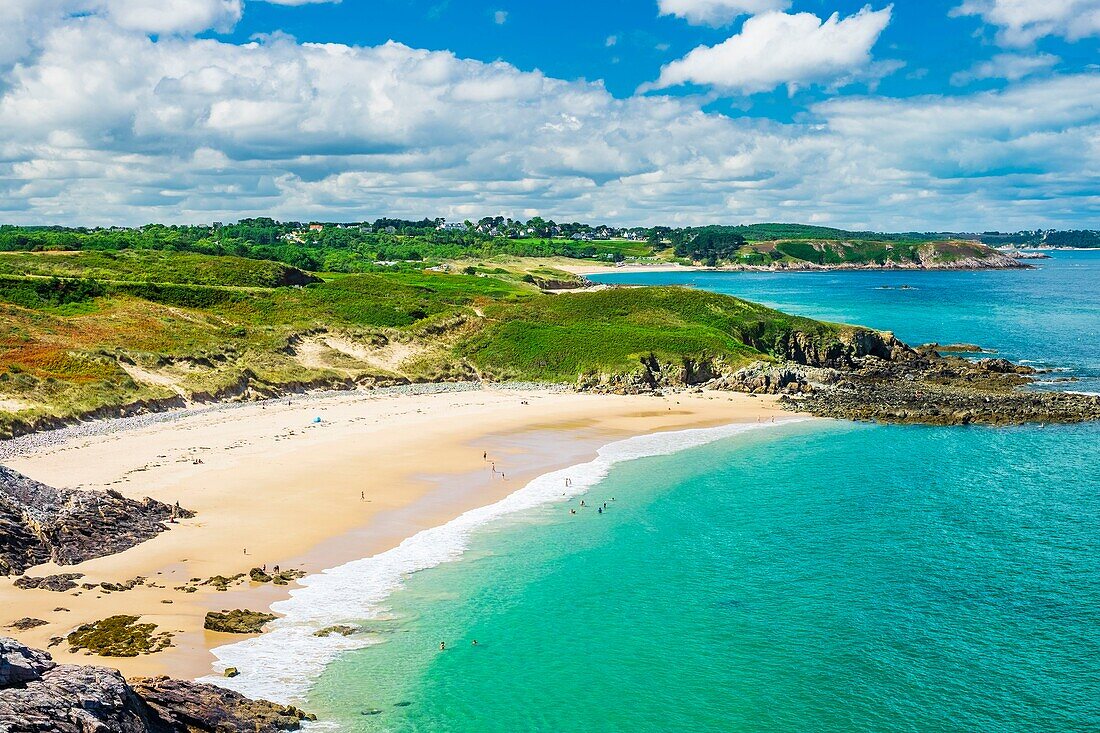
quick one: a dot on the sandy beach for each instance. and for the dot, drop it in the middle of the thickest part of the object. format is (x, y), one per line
(309, 483)
(597, 269)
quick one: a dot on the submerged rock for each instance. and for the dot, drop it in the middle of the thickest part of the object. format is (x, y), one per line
(37, 695)
(330, 630)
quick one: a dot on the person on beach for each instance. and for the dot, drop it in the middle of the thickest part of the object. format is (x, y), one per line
(362, 496)
(485, 455)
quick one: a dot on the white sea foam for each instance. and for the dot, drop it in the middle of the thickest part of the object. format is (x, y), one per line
(282, 664)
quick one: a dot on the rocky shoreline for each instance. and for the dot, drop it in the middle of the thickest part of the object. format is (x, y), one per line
(37, 695)
(1001, 262)
(870, 376)
(926, 387)
(40, 524)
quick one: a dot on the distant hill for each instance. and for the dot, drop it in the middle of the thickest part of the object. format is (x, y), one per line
(1077, 238)
(773, 232)
(800, 247)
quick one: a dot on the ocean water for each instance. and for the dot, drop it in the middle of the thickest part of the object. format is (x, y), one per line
(1049, 316)
(813, 576)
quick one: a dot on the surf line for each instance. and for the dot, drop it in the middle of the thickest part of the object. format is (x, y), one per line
(282, 664)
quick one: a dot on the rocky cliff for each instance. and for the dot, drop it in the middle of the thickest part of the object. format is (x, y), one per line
(37, 695)
(40, 524)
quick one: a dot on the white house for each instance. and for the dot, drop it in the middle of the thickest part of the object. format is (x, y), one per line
(451, 226)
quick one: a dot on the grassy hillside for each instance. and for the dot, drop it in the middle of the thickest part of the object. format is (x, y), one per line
(153, 266)
(560, 337)
(774, 232)
(69, 347)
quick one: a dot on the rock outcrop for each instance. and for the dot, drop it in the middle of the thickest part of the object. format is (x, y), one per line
(37, 695)
(860, 374)
(931, 389)
(40, 524)
(238, 621)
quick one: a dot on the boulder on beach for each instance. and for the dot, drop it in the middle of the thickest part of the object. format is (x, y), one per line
(238, 621)
(37, 695)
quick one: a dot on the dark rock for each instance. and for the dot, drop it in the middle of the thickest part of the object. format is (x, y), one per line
(27, 623)
(119, 636)
(56, 583)
(221, 582)
(41, 524)
(935, 390)
(39, 696)
(1003, 366)
(257, 575)
(238, 621)
(330, 630)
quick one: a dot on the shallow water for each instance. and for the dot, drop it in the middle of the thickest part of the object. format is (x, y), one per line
(822, 576)
(832, 578)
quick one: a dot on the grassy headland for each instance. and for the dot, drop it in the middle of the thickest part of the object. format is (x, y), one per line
(105, 332)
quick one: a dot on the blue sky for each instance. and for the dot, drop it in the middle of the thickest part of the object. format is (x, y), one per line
(944, 114)
(569, 39)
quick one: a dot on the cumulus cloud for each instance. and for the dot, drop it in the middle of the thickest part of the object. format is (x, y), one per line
(778, 48)
(1022, 22)
(199, 129)
(718, 12)
(1009, 66)
(500, 17)
(170, 16)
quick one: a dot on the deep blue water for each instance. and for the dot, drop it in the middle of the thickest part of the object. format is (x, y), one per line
(1049, 315)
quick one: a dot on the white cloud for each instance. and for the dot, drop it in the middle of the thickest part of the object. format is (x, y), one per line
(1022, 22)
(500, 17)
(202, 129)
(170, 16)
(718, 12)
(1009, 66)
(611, 41)
(777, 48)
(301, 2)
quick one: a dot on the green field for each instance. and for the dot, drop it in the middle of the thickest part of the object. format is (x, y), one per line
(104, 331)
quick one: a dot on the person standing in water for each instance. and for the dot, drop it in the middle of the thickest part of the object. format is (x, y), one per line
(442, 646)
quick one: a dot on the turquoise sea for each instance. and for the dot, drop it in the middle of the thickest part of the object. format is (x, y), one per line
(818, 576)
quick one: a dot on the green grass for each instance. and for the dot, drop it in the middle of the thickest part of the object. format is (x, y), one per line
(71, 347)
(563, 337)
(152, 266)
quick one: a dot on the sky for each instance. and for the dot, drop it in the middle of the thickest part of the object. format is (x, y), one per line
(920, 115)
